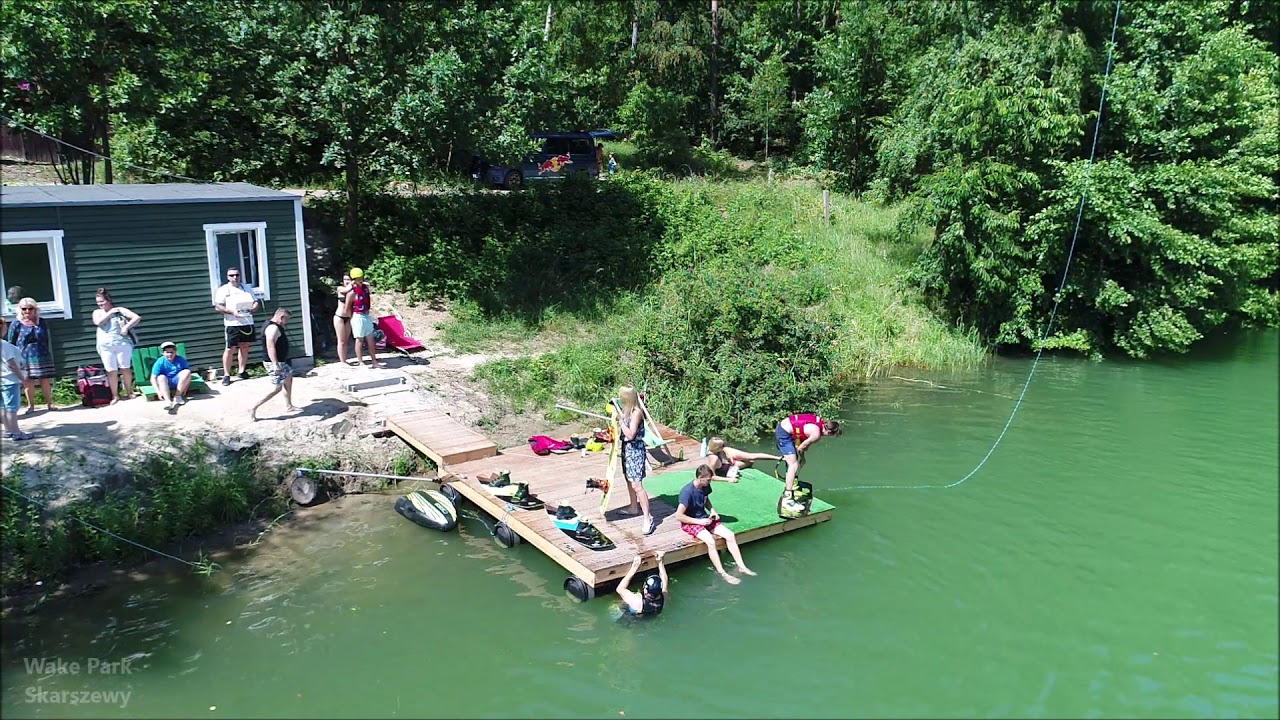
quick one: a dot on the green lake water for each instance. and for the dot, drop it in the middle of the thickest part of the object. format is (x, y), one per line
(1115, 557)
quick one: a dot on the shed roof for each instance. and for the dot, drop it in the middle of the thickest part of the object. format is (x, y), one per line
(12, 196)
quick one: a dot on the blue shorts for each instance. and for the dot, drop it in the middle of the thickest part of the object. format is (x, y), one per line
(783, 440)
(11, 396)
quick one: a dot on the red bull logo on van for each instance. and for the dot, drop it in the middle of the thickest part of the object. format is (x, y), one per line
(554, 164)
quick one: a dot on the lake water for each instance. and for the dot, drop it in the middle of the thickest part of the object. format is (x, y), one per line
(1116, 556)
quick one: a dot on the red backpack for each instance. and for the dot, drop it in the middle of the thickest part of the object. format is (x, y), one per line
(92, 384)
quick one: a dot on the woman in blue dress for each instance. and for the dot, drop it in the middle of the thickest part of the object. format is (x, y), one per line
(634, 454)
(30, 334)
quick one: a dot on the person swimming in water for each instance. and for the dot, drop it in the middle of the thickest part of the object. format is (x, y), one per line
(727, 462)
(653, 591)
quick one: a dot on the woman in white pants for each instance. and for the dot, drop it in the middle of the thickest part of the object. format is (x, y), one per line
(114, 344)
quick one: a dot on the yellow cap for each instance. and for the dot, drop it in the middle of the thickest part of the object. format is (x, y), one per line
(356, 273)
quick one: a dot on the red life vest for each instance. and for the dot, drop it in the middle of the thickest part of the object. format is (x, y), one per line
(798, 422)
(360, 298)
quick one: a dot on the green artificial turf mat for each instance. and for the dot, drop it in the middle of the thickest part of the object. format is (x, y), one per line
(750, 503)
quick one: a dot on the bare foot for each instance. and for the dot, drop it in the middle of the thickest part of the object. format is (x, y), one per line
(729, 578)
(114, 400)
(290, 408)
(253, 414)
(746, 571)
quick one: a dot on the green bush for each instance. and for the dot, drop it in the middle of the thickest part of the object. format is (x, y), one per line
(732, 303)
(731, 352)
(172, 497)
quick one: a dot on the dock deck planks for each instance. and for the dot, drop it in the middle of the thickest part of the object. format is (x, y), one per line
(441, 438)
(562, 479)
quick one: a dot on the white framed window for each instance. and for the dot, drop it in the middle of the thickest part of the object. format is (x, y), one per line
(242, 246)
(34, 261)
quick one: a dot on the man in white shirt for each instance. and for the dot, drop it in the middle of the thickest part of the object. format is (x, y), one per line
(236, 302)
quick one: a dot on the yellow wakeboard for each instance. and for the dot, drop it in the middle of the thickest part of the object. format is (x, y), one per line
(615, 456)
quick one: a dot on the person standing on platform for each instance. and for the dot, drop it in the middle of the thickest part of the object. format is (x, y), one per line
(805, 429)
(635, 455)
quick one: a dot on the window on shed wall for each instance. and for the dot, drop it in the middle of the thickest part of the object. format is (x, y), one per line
(34, 261)
(242, 246)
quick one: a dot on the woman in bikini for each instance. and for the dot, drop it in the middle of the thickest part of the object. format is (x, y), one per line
(727, 462)
(342, 318)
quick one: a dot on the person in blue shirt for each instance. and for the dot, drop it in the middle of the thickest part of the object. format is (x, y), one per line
(701, 522)
(171, 374)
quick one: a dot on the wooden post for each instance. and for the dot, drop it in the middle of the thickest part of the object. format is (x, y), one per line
(826, 207)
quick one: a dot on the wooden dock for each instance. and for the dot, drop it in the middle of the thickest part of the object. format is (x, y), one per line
(562, 479)
(441, 438)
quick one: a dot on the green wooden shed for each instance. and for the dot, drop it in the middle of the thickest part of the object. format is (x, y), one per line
(162, 250)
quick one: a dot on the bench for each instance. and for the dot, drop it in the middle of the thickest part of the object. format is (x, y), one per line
(145, 358)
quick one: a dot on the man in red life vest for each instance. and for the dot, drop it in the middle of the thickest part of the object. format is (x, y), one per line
(804, 429)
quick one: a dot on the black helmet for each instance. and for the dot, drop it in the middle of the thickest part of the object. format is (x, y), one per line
(653, 586)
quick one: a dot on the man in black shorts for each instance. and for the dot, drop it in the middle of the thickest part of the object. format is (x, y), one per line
(236, 302)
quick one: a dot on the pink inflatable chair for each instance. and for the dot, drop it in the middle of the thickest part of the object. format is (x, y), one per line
(395, 336)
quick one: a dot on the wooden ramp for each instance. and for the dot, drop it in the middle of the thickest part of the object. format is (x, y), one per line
(441, 438)
(562, 479)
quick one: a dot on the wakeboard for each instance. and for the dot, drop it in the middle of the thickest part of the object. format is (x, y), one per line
(579, 529)
(517, 494)
(803, 494)
(615, 455)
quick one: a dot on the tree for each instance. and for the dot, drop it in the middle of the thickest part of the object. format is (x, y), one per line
(763, 99)
(69, 68)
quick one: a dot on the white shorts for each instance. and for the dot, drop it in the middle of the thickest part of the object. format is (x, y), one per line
(116, 357)
(361, 325)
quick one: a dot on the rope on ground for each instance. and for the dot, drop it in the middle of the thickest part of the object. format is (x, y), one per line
(88, 524)
(1057, 296)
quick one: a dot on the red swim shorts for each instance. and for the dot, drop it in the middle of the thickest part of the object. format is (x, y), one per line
(693, 530)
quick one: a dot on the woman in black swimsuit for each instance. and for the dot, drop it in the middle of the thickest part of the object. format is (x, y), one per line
(342, 318)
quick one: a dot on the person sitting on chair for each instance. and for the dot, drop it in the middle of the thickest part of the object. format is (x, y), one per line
(171, 376)
(702, 522)
(653, 591)
(727, 462)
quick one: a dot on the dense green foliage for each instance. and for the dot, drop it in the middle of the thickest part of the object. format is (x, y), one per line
(571, 246)
(980, 115)
(734, 303)
(173, 497)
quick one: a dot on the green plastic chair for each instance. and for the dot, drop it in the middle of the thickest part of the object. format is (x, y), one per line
(143, 360)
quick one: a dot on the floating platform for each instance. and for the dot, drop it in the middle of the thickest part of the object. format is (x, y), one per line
(748, 507)
(441, 438)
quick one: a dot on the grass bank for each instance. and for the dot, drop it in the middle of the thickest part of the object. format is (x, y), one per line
(731, 302)
(174, 497)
